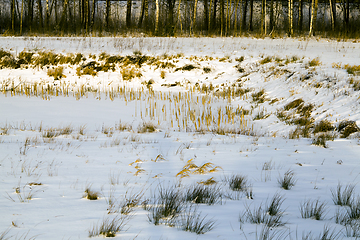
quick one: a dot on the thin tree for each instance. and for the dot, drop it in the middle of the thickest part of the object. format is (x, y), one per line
(21, 16)
(300, 17)
(251, 15)
(107, 15)
(157, 16)
(243, 24)
(206, 14)
(128, 13)
(222, 8)
(290, 16)
(40, 15)
(314, 7)
(333, 14)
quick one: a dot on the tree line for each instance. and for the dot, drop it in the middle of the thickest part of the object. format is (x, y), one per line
(336, 18)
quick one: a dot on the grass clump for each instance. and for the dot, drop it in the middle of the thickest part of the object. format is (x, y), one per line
(237, 182)
(207, 194)
(259, 97)
(353, 70)
(57, 73)
(314, 62)
(168, 204)
(266, 60)
(320, 139)
(90, 194)
(294, 104)
(109, 227)
(129, 73)
(187, 67)
(275, 205)
(50, 133)
(313, 209)
(146, 127)
(130, 202)
(287, 181)
(207, 70)
(192, 221)
(260, 215)
(343, 197)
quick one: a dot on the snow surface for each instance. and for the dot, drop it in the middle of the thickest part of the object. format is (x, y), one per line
(68, 164)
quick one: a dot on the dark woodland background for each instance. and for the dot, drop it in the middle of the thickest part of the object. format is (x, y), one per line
(329, 18)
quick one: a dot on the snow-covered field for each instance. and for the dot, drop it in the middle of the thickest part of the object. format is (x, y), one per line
(195, 113)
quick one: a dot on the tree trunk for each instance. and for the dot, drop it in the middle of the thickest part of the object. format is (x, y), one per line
(222, 8)
(47, 16)
(157, 17)
(21, 16)
(142, 11)
(41, 23)
(243, 24)
(236, 16)
(290, 17)
(251, 15)
(206, 12)
(30, 14)
(214, 15)
(271, 15)
(300, 18)
(93, 15)
(12, 7)
(314, 7)
(107, 15)
(333, 14)
(63, 16)
(128, 13)
(263, 16)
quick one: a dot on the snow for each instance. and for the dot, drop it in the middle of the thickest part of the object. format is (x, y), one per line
(68, 164)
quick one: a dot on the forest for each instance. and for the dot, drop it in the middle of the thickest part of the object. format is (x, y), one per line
(273, 18)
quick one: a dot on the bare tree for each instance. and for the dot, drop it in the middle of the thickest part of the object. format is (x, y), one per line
(128, 13)
(314, 7)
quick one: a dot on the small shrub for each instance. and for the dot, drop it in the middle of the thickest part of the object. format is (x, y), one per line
(50, 133)
(187, 67)
(288, 180)
(312, 209)
(259, 96)
(57, 73)
(162, 74)
(91, 195)
(203, 194)
(305, 110)
(130, 73)
(266, 60)
(320, 139)
(240, 59)
(9, 62)
(347, 127)
(343, 197)
(24, 57)
(314, 62)
(192, 221)
(354, 70)
(206, 69)
(146, 127)
(323, 126)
